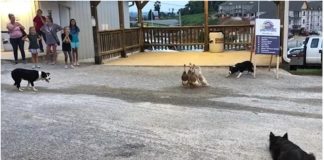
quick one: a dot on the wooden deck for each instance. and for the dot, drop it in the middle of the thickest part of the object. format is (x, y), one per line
(226, 58)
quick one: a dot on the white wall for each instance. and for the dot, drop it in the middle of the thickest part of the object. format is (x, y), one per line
(80, 11)
(108, 15)
(24, 13)
(53, 7)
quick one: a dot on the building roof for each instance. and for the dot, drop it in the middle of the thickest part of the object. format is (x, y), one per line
(315, 5)
(227, 3)
(295, 5)
(268, 8)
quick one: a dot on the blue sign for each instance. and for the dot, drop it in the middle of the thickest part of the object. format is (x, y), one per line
(267, 45)
(267, 36)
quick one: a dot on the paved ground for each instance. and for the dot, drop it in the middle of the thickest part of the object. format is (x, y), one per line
(107, 112)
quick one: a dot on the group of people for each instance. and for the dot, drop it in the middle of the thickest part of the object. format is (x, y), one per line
(44, 28)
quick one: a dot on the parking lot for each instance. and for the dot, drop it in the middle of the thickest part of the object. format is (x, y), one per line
(112, 112)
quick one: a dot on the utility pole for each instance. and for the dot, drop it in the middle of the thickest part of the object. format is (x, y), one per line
(206, 46)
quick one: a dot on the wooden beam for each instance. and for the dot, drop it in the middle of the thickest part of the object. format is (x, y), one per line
(122, 27)
(141, 33)
(141, 5)
(94, 3)
(206, 48)
(95, 31)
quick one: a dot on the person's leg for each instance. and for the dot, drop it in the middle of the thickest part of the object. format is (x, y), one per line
(48, 52)
(22, 49)
(54, 54)
(71, 61)
(34, 60)
(76, 56)
(40, 33)
(14, 44)
(65, 56)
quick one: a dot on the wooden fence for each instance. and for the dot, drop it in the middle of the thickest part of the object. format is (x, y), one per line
(175, 38)
(111, 42)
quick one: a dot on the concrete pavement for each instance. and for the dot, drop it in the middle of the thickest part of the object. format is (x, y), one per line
(107, 112)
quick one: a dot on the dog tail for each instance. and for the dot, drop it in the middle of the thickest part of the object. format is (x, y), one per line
(311, 156)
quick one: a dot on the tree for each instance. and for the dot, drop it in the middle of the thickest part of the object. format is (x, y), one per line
(157, 7)
(149, 15)
(194, 7)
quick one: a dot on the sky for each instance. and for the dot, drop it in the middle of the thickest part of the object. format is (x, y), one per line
(165, 5)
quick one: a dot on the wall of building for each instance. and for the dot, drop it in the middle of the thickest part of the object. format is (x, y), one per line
(80, 11)
(108, 15)
(24, 13)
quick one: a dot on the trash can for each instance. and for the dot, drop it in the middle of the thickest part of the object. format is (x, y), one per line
(6, 46)
(216, 42)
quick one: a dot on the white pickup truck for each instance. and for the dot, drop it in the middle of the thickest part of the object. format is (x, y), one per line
(309, 54)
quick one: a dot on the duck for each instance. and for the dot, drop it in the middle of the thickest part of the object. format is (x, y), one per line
(184, 76)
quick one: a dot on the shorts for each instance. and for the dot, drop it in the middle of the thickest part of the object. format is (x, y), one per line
(75, 44)
(34, 51)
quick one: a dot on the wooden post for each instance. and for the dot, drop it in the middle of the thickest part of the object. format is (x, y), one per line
(281, 16)
(253, 43)
(122, 27)
(139, 7)
(270, 62)
(95, 31)
(206, 48)
(141, 34)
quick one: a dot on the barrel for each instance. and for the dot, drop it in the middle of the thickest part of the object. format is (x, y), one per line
(216, 42)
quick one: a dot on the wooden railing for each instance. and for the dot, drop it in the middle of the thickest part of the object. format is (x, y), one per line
(176, 38)
(238, 37)
(111, 43)
(190, 38)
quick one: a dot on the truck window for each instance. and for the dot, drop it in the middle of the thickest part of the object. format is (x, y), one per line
(314, 43)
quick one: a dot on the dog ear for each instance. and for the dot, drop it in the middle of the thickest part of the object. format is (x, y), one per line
(285, 136)
(271, 134)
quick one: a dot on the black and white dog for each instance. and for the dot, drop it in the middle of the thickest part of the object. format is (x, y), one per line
(31, 76)
(241, 67)
(283, 149)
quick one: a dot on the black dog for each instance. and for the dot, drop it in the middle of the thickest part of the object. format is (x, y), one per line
(241, 67)
(31, 76)
(283, 149)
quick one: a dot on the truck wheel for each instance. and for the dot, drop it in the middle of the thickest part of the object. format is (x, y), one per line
(293, 68)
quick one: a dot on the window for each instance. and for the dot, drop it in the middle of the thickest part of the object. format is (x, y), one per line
(303, 21)
(314, 43)
(304, 13)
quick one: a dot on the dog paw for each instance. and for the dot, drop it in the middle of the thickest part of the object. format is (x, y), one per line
(34, 89)
(21, 90)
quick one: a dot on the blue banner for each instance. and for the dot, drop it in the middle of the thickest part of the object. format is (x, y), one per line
(267, 45)
(267, 38)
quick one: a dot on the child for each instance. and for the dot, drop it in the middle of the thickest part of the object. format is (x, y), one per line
(50, 29)
(66, 46)
(75, 40)
(33, 46)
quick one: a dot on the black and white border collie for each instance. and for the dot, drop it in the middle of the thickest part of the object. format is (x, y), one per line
(31, 76)
(241, 67)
